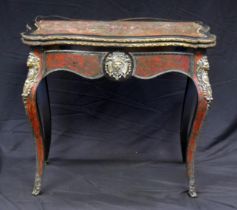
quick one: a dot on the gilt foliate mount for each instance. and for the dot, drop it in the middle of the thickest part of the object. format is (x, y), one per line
(33, 63)
(203, 78)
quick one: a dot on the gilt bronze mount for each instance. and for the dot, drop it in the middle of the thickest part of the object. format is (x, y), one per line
(118, 65)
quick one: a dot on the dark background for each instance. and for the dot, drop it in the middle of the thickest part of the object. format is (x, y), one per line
(116, 145)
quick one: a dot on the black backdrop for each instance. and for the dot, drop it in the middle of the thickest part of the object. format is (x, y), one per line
(116, 145)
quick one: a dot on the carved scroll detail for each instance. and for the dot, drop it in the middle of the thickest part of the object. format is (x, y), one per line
(203, 79)
(118, 65)
(33, 63)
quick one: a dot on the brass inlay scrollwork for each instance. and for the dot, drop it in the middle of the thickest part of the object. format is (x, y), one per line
(148, 43)
(33, 64)
(203, 79)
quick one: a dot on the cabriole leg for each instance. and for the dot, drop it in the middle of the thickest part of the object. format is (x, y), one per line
(29, 98)
(202, 83)
(43, 105)
(187, 116)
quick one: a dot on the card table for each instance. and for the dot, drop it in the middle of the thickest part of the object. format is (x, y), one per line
(118, 50)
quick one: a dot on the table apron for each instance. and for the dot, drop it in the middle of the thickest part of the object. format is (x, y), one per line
(90, 65)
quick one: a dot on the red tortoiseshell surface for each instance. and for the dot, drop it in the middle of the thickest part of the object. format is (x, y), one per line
(87, 65)
(151, 65)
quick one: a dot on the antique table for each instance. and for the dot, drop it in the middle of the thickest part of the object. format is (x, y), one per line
(118, 50)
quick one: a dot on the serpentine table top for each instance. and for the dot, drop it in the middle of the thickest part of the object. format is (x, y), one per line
(122, 33)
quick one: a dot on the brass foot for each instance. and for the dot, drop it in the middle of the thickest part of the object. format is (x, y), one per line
(192, 192)
(35, 191)
(37, 185)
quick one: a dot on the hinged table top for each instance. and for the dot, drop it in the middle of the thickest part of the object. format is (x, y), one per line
(124, 33)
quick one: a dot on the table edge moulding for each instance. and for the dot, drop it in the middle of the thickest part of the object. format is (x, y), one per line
(118, 50)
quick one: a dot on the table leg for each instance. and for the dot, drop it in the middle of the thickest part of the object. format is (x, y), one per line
(204, 91)
(43, 105)
(188, 113)
(29, 98)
